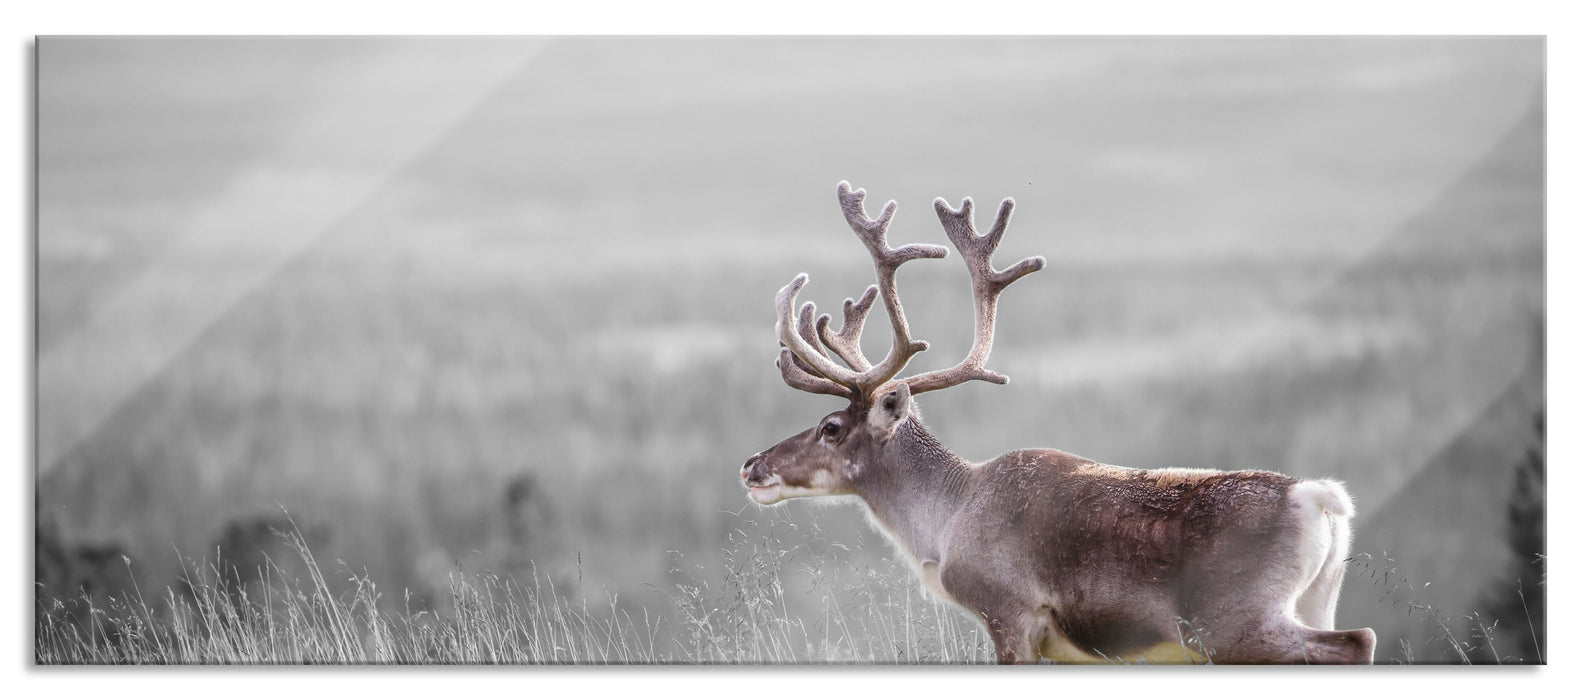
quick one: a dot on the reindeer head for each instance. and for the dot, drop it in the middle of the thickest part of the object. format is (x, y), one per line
(830, 458)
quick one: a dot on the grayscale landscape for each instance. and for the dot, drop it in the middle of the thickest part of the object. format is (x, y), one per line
(451, 350)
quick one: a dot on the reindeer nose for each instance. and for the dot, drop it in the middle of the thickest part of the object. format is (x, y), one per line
(747, 468)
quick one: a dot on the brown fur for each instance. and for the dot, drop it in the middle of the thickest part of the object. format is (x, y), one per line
(1047, 546)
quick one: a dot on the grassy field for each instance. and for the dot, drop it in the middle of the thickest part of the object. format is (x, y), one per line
(738, 613)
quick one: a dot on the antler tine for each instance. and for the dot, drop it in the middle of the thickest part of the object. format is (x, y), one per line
(885, 262)
(796, 341)
(987, 283)
(872, 231)
(804, 327)
(798, 378)
(856, 215)
(847, 344)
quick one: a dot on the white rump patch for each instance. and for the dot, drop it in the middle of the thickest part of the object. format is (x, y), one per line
(1323, 511)
(1328, 496)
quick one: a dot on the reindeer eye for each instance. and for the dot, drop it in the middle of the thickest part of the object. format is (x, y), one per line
(832, 428)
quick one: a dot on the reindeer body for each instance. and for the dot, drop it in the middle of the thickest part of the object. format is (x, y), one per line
(1058, 555)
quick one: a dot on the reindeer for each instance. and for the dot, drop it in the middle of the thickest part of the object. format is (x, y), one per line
(1058, 555)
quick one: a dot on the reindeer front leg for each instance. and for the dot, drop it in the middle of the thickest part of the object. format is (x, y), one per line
(1016, 637)
(1015, 627)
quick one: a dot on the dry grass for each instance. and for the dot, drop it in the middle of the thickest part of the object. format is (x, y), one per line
(737, 614)
(337, 616)
(1457, 639)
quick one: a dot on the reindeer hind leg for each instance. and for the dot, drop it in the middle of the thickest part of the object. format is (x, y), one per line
(1347, 647)
(1282, 640)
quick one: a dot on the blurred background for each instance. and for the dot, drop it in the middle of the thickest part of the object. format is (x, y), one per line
(463, 304)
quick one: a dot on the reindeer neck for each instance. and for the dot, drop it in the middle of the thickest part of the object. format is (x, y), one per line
(915, 488)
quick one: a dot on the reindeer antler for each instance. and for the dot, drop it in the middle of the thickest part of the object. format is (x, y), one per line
(796, 372)
(798, 377)
(861, 378)
(804, 364)
(987, 283)
(848, 342)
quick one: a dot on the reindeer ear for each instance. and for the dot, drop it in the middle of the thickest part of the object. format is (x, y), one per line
(889, 410)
